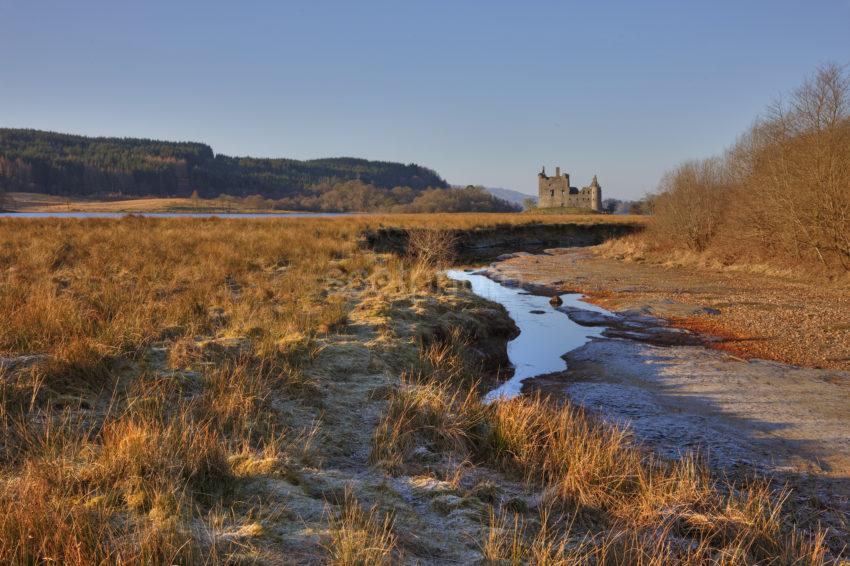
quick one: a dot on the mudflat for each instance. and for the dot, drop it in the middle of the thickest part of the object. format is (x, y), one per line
(750, 371)
(805, 323)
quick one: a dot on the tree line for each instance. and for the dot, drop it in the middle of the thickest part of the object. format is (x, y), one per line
(71, 165)
(357, 196)
(780, 194)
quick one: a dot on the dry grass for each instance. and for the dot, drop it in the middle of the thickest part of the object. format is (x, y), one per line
(34, 202)
(604, 499)
(361, 538)
(108, 456)
(174, 354)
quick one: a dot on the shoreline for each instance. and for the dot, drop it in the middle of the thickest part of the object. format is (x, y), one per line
(671, 369)
(754, 316)
(678, 387)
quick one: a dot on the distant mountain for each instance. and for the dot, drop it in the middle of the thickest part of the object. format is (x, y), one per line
(64, 164)
(510, 195)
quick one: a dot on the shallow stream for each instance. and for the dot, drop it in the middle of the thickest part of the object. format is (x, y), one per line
(545, 333)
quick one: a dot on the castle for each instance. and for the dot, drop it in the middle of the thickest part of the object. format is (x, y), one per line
(557, 192)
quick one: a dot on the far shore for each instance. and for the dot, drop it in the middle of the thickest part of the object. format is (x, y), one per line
(35, 202)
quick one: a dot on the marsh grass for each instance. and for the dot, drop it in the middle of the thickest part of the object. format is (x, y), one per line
(361, 538)
(136, 454)
(605, 500)
(173, 354)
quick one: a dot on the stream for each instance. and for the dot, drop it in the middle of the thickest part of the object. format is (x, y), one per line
(545, 333)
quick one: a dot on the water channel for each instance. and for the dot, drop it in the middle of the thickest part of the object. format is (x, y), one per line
(545, 332)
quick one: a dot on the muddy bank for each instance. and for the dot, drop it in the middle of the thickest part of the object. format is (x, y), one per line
(750, 414)
(678, 393)
(486, 244)
(672, 386)
(802, 323)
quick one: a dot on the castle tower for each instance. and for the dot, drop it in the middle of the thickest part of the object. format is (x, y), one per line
(595, 195)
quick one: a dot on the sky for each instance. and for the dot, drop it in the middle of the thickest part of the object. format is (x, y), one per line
(484, 92)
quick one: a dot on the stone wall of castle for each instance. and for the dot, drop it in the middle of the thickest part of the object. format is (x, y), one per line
(557, 192)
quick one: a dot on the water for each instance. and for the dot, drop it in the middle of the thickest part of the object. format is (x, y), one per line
(543, 337)
(173, 214)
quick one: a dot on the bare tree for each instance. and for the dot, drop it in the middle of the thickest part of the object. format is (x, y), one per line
(781, 193)
(797, 161)
(689, 206)
(432, 248)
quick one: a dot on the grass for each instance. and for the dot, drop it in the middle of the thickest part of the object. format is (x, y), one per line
(560, 210)
(123, 451)
(361, 538)
(212, 391)
(605, 499)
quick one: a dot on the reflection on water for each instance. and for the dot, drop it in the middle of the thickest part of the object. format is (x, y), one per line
(172, 214)
(545, 333)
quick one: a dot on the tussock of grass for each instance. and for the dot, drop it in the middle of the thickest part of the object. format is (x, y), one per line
(360, 538)
(426, 415)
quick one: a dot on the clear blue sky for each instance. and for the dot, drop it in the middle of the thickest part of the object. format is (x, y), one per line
(484, 92)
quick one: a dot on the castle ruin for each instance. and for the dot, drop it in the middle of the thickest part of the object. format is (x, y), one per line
(557, 192)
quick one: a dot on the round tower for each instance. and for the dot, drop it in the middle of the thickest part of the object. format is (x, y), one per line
(595, 195)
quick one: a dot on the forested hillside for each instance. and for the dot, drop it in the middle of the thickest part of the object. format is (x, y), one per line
(64, 164)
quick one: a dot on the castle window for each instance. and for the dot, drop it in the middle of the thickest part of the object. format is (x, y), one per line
(552, 193)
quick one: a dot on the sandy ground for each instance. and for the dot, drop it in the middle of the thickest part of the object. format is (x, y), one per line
(786, 417)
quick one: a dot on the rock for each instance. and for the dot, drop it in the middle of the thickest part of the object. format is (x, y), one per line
(588, 318)
(423, 455)
(445, 504)
(537, 312)
(556, 301)
(20, 361)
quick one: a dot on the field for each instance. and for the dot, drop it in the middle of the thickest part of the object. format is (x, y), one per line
(270, 391)
(35, 202)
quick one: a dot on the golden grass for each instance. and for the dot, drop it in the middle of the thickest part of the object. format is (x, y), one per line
(173, 352)
(119, 455)
(361, 538)
(605, 499)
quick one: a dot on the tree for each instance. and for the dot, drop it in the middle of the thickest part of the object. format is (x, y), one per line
(64, 164)
(690, 204)
(781, 194)
(529, 203)
(610, 205)
(640, 207)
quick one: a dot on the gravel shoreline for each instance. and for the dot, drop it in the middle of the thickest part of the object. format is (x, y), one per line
(757, 316)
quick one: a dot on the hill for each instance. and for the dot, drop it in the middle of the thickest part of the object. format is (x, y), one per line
(510, 195)
(72, 165)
